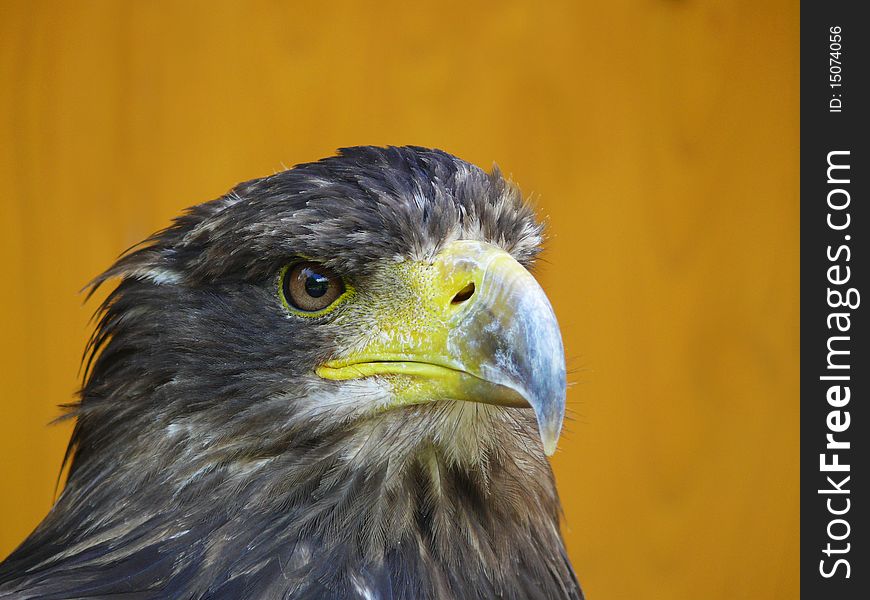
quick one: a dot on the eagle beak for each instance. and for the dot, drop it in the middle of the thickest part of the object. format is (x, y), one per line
(481, 329)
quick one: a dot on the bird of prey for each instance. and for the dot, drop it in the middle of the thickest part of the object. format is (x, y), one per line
(337, 382)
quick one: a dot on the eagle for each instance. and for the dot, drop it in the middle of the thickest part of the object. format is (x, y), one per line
(340, 381)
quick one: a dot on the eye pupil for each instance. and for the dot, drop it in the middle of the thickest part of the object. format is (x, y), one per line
(316, 285)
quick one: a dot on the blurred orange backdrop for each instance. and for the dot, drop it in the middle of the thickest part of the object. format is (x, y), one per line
(659, 138)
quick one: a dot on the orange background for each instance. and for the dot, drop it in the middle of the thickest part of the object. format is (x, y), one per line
(660, 139)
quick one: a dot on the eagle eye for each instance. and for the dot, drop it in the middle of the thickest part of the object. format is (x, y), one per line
(310, 288)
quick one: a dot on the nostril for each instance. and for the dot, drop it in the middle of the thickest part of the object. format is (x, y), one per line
(463, 294)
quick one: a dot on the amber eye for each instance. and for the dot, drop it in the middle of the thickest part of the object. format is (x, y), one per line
(310, 287)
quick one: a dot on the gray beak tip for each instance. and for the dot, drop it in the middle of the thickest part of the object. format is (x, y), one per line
(549, 445)
(550, 416)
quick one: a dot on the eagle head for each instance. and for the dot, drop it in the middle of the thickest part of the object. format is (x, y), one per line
(339, 377)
